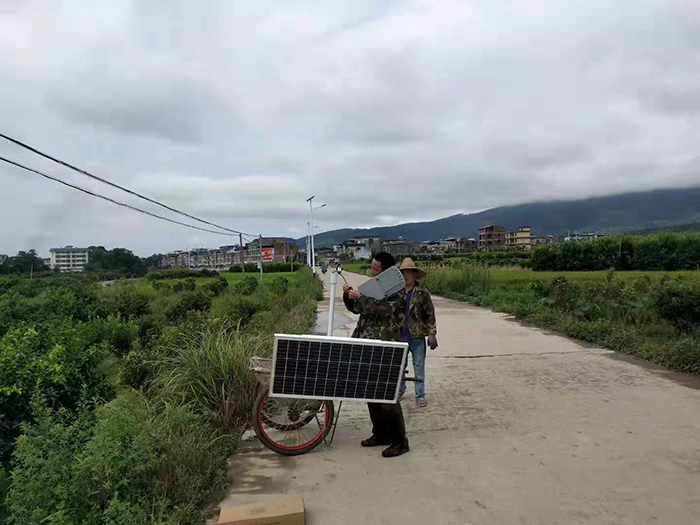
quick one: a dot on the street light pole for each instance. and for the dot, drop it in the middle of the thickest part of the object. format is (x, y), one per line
(308, 243)
(310, 200)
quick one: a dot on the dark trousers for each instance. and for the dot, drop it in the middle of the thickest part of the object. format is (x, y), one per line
(387, 422)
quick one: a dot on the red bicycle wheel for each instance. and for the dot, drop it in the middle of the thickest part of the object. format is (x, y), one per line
(291, 426)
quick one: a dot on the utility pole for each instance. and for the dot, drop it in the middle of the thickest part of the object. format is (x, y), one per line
(240, 252)
(260, 262)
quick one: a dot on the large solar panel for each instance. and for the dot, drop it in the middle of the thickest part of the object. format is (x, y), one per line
(338, 368)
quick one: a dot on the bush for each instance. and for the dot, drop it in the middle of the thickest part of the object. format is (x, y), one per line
(42, 478)
(249, 267)
(270, 267)
(180, 273)
(216, 286)
(188, 284)
(245, 286)
(61, 368)
(188, 302)
(279, 286)
(663, 251)
(130, 303)
(679, 303)
(238, 310)
(140, 463)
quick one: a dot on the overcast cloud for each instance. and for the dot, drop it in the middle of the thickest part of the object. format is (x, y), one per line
(388, 111)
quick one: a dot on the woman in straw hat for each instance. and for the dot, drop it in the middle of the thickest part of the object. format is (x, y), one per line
(419, 323)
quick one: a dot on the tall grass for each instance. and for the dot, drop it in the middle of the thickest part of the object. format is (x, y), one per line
(209, 369)
(467, 280)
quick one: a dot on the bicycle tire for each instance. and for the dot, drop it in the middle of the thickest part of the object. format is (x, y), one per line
(259, 420)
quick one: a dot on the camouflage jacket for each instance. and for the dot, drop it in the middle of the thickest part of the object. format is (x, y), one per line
(378, 319)
(421, 313)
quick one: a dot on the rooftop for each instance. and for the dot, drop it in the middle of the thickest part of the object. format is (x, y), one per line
(68, 249)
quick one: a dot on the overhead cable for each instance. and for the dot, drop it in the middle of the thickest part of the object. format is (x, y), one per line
(55, 179)
(114, 185)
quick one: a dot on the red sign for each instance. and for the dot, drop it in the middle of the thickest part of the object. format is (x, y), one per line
(268, 254)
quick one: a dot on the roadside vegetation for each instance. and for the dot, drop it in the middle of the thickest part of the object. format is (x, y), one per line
(120, 404)
(652, 315)
(635, 294)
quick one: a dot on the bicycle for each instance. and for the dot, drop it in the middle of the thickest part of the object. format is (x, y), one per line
(290, 426)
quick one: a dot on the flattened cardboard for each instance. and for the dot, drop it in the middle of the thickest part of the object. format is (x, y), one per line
(285, 511)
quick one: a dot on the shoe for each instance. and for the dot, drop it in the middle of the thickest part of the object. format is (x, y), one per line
(395, 450)
(374, 441)
(421, 402)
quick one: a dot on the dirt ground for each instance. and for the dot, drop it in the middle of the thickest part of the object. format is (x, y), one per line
(522, 427)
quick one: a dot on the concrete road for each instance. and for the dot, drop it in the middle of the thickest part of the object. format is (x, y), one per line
(522, 427)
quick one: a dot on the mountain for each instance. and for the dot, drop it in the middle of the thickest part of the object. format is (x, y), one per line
(628, 212)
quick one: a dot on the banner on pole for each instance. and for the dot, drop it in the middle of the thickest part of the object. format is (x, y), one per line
(267, 254)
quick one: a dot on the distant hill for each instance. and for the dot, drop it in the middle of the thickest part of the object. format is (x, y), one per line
(629, 212)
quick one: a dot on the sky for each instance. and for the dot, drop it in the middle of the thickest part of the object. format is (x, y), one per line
(387, 111)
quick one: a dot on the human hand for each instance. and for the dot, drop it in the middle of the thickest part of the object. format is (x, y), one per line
(354, 294)
(346, 288)
(432, 342)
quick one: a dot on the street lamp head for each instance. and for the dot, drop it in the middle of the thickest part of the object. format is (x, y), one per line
(310, 198)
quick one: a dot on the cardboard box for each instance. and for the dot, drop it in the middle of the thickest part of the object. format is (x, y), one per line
(286, 511)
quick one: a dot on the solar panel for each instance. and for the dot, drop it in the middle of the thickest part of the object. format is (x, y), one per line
(338, 368)
(384, 285)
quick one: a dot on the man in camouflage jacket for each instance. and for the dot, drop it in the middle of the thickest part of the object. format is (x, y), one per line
(381, 320)
(378, 319)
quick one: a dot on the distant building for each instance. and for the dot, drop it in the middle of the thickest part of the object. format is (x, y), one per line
(347, 249)
(449, 244)
(583, 236)
(397, 247)
(373, 244)
(364, 254)
(492, 236)
(540, 240)
(283, 249)
(69, 258)
(466, 245)
(520, 238)
(226, 256)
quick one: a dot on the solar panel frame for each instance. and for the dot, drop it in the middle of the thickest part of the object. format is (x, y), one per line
(338, 340)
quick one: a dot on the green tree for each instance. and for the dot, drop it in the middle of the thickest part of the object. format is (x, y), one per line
(117, 260)
(25, 262)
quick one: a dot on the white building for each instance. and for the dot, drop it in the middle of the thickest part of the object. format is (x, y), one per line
(69, 258)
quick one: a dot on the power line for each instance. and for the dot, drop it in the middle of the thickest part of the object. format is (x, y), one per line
(109, 183)
(110, 200)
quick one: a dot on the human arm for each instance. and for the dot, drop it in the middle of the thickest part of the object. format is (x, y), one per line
(430, 321)
(368, 305)
(350, 304)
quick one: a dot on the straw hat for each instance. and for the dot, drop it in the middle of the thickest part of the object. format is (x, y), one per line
(408, 264)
